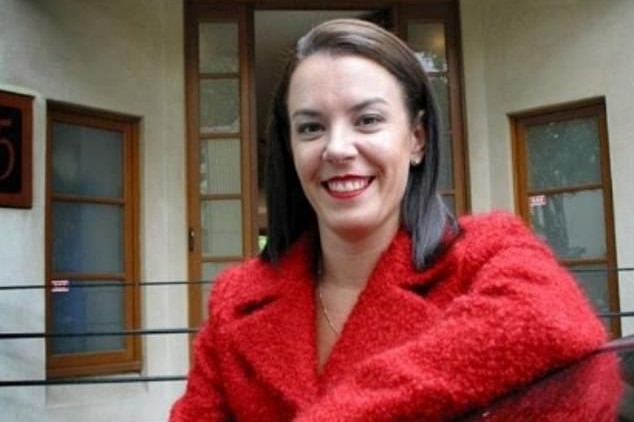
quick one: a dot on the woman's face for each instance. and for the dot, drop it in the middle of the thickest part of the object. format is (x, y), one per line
(352, 141)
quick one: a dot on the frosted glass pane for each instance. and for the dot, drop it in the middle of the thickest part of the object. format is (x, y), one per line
(445, 170)
(87, 161)
(220, 166)
(563, 154)
(219, 106)
(428, 41)
(441, 89)
(594, 281)
(222, 227)
(87, 238)
(572, 223)
(210, 271)
(89, 309)
(218, 47)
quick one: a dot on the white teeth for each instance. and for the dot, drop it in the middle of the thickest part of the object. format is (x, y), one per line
(347, 185)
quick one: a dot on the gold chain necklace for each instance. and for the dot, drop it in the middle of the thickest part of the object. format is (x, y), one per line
(325, 312)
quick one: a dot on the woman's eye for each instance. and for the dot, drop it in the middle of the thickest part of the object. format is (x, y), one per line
(309, 128)
(369, 120)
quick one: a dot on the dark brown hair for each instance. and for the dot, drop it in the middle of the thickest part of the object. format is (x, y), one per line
(423, 213)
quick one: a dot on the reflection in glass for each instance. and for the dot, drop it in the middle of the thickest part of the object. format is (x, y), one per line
(565, 153)
(219, 106)
(220, 166)
(428, 41)
(87, 161)
(571, 223)
(87, 237)
(222, 227)
(87, 309)
(218, 47)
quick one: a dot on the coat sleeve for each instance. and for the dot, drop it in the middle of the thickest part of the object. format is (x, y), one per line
(589, 390)
(521, 315)
(204, 398)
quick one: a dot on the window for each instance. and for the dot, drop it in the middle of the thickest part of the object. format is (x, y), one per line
(564, 191)
(91, 245)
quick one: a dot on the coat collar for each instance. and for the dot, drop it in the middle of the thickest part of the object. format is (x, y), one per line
(276, 332)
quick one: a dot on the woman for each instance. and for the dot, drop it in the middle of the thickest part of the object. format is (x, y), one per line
(370, 302)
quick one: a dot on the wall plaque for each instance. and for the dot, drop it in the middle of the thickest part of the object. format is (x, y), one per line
(16, 153)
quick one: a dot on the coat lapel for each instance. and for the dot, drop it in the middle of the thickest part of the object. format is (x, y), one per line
(398, 305)
(276, 333)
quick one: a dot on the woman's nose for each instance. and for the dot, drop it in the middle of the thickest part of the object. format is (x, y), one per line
(340, 146)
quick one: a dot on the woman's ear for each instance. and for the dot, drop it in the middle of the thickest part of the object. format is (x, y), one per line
(417, 140)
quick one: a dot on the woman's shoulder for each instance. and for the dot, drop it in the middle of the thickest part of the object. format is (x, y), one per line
(254, 280)
(497, 221)
(496, 228)
(484, 235)
(237, 283)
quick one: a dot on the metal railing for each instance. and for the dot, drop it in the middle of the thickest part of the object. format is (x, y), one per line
(159, 331)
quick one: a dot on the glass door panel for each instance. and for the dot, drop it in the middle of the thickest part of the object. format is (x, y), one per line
(594, 281)
(427, 39)
(218, 47)
(563, 154)
(85, 308)
(87, 237)
(572, 223)
(87, 161)
(220, 166)
(219, 106)
(222, 228)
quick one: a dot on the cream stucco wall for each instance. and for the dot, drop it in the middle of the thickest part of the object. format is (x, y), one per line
(125, 56)
(524, 54)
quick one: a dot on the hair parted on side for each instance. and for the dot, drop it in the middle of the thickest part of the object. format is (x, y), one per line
(423, 212)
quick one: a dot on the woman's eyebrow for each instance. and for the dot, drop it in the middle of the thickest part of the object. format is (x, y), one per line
(305, 112)
(369, 102)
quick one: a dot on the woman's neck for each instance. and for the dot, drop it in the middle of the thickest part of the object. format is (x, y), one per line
(348, 262)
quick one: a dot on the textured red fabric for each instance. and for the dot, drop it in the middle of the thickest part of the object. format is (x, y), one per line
(495, 311)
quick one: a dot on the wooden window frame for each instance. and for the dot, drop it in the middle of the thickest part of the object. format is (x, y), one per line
(127, 359)
(590, 108)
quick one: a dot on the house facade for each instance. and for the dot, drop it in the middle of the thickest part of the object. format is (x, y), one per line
(148, 121)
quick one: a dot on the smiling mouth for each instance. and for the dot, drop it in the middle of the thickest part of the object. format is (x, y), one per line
(347, 186)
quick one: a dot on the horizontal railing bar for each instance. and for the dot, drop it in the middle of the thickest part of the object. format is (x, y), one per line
(615, 314)
(75, 381)
(25, 335)
(18, 335)
(88, 285)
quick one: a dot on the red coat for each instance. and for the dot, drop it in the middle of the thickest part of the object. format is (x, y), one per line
(495, 311)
